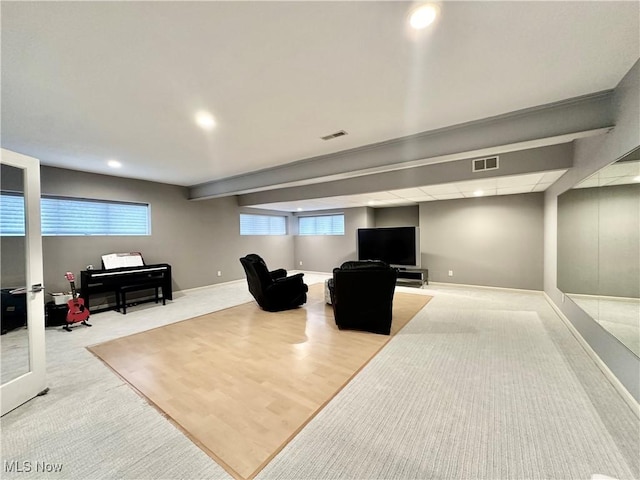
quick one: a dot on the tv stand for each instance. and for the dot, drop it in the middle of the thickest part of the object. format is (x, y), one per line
(413, 276)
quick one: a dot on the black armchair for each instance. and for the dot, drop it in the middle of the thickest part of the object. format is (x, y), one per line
(362, 296)
(273, 290)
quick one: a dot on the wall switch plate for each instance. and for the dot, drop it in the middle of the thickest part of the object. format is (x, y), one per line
(300, 262)
(219, 273)
(451, 273)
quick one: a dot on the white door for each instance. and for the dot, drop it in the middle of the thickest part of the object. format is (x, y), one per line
(23, 349)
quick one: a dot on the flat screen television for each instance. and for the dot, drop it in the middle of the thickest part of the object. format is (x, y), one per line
(397, 246)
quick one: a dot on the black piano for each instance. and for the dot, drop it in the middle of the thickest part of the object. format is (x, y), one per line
(93, 282)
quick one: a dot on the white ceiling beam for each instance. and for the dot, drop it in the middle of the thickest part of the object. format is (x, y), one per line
(543, 159)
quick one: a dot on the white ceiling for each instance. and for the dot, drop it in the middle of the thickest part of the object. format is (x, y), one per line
(84, 82)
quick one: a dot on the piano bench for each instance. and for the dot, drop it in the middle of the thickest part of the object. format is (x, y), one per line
(121, 294)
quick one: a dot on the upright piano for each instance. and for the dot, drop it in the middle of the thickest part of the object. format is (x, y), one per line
(93, 282)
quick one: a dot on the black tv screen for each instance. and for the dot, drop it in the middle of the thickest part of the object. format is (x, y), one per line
(393, 245)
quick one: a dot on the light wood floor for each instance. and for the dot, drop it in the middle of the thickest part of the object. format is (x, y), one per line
(242, 382)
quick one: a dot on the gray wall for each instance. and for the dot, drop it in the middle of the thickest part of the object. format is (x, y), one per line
(408, 216)
(12, 249)
(196, 238)
(590, 155)
(12, 262)
(322, 253)
(493, 241)
(599, 241)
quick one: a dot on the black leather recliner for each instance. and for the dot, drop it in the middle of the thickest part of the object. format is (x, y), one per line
(273, 291)
(362, 296)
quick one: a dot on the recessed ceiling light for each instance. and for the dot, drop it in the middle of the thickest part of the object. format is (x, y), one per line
(114, 163)
(423, 16)
(299, 209)
(478, 193)
(205, 120)
(636, 179)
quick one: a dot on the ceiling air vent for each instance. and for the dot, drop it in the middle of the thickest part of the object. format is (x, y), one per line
(482, 164)
(341, 133)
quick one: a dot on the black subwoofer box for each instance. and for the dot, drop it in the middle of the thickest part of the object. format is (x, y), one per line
(14, 310)
(56, 315)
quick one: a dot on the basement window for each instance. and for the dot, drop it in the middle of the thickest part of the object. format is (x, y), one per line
(62, 216)
(262, 224)
(321, 225)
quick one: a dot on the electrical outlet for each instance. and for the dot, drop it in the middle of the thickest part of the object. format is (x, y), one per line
(219, 273)
(451, 273)
(300, 262)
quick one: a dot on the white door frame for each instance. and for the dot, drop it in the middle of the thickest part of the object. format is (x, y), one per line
(23, 388)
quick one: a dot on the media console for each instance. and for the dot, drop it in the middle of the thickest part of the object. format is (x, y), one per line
(413, 276)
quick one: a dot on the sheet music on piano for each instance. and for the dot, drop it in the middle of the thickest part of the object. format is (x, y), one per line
(117, 260)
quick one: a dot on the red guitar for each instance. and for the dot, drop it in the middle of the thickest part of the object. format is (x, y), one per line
(77, 311)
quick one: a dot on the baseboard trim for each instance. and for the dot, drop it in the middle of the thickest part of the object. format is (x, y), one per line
(605, 297)
(312, 272)
(240, 280)
(486, 287)
(212, 285)
(620, 388)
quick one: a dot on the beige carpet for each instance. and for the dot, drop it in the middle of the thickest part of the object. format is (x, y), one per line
(469, 393)
(242, 382)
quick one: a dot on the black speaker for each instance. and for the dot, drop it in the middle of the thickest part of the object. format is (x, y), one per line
(14, 310)
(56, 315)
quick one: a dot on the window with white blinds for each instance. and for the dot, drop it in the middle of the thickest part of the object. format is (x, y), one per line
(321, 225)
(72, 216)
(262, 224)
(11, 215)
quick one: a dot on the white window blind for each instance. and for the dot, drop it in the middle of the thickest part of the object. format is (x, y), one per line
(321, 225)
(71, 216)
(11, 215)
(262, 224)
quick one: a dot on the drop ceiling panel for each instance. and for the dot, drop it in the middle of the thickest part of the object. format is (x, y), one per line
(515, 190)
(541, 187)
(512, 181)
(615, 174)
(447, 196)
(485, 184)
(621, 170)
(550, 177)
(409, 193)
(444, 189)
(621, 181)
(423, 198)
(485, 193)
(589, 183)
(382, 196)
